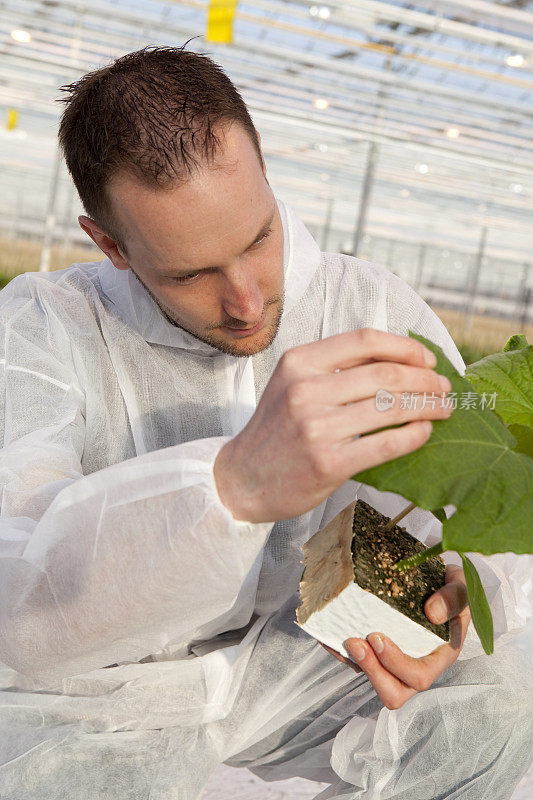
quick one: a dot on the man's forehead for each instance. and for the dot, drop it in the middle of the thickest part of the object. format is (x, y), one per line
(237, 246)
(214, 215)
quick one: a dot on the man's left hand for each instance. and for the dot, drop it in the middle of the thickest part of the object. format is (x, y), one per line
(395, 676)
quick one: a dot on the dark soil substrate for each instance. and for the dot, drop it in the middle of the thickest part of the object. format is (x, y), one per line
(375, 551)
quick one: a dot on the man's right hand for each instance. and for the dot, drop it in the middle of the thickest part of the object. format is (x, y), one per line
(299, 446)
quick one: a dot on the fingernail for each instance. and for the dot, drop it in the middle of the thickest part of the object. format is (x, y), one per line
(437, 609)
(356, 650)
(376, 642)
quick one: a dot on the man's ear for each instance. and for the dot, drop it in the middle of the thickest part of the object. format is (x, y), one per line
(103, 241)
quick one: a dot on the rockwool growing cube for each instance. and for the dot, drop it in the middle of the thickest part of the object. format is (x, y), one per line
(349, 587)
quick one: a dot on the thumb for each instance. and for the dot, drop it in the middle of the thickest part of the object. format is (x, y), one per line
(450, 600)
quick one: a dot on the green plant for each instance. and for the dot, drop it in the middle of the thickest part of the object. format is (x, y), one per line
(480, 460)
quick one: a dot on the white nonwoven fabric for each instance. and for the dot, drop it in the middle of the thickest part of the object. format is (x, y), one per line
(469, 736)
(131, 601)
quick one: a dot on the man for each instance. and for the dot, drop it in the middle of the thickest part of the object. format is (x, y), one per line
(146, 596)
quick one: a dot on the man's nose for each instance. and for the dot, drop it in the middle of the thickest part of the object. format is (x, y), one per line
(242, 298)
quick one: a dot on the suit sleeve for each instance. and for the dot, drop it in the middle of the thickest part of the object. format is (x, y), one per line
(112, 566)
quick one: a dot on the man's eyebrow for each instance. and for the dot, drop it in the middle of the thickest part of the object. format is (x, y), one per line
(264, 228)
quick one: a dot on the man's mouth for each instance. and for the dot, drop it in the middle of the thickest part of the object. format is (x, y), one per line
(245, 331)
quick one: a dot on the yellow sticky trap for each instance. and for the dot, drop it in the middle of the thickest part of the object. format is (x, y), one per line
(12, 118)
(220, 21)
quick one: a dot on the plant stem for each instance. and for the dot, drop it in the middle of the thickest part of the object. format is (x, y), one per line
(400, 516)
(419, 558)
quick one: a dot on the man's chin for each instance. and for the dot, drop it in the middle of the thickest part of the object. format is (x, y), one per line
(234, 345)
(243, 346)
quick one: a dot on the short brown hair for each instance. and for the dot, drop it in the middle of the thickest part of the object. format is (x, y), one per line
(150, 113)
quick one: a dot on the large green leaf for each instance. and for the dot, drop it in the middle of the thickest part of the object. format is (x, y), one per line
(469, 462)
(508, 377)
(524, 438)
(479, 606)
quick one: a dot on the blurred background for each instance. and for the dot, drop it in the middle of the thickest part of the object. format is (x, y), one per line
(400, 132)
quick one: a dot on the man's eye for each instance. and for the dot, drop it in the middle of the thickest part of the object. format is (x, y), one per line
(186, 278)
(264, 236)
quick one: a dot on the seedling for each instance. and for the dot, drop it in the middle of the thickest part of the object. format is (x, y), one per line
(349, 588)
(479, 460)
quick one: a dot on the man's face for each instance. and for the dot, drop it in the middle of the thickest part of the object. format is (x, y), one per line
(210, 251)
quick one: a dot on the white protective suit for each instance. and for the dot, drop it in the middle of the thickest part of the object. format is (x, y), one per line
(145, 635)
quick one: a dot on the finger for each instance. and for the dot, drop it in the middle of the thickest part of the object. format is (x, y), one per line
(416, 673)
(350, 349)
(342, 658)
(421, 672)
(447, 602)
(459, 622)
(364, 417)
(358, 383)
(458, 629)
(392, 691)
(377, 448)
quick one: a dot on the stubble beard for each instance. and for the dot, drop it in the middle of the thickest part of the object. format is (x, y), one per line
(246, 347)
(252, 345)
